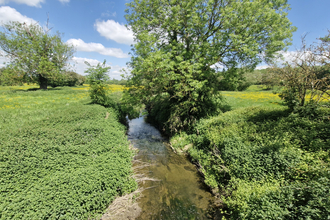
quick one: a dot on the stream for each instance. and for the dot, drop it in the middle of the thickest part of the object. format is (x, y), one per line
(173, 188)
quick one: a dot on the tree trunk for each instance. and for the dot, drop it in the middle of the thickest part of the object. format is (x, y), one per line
(43, 82)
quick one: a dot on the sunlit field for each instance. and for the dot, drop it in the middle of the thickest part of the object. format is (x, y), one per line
(18, 97)
(23, 97)
(111, 88)
(253, 96)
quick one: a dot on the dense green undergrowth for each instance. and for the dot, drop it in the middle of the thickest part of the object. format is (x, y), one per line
(61, 160)
(266, 162)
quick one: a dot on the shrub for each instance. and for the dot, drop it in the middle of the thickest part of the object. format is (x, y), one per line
(233, 80)
(67, 79)
(97, 77)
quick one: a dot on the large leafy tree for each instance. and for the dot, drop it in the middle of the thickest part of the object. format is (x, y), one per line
(179, 42)
(34, 51)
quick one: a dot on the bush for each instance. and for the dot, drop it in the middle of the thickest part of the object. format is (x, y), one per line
(67, 79)
(97, 77)
(233, 80)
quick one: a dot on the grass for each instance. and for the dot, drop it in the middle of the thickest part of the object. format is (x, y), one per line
(24, 97)
(265, 162)
(60, 157)
(253, 96)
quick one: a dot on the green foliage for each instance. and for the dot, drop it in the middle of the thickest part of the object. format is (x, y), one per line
(117, 82)
(66, 160)
(180, 141)
(69, 78)
(177, 47)
(263, 77)
(34, 52)
(233, 80)
(267, 163)
(97, 77)
(276, 200)
(10, 76)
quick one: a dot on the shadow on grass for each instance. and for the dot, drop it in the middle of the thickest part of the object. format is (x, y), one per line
(225, 108)
(278, 103)
(35, 89)
(54, 89)
(273, 115)
(31, 89)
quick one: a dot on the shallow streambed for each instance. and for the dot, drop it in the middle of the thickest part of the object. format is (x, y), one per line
(173, 186)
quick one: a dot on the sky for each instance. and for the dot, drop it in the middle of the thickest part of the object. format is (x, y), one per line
(97, 27)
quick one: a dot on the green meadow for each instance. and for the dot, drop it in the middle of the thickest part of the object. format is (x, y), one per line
(255, 95)
(60, 156)
(63, 158)
(261, 160)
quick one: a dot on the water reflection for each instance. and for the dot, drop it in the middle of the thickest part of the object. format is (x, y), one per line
(179, 192)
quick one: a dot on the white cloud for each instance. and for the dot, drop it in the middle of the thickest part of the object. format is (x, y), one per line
(34, 3)
(217, 66)
(286, 56)
(64, 1)
(261, 67)
(114, 31)
(3, 60)
(10, 14)
(80, 67)
(80, 45)
(108, 14)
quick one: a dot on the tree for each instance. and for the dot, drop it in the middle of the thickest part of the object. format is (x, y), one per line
(97, 78)
(67, 78)
(306, 76)
(40, 55)
(178, 43)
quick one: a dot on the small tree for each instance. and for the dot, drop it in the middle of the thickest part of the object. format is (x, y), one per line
(34, 51)
(306, 78)
(97, 78)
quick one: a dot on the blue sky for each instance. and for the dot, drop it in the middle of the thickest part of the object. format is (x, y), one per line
(96, 27)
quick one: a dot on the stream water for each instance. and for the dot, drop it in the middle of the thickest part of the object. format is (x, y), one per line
(173, 188)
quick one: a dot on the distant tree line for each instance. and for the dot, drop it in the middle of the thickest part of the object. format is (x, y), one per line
(116, 82)
(12, 77)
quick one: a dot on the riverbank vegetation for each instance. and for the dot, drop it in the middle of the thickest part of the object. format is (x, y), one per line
(266, 162)
(264, 153)
(60, 157)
